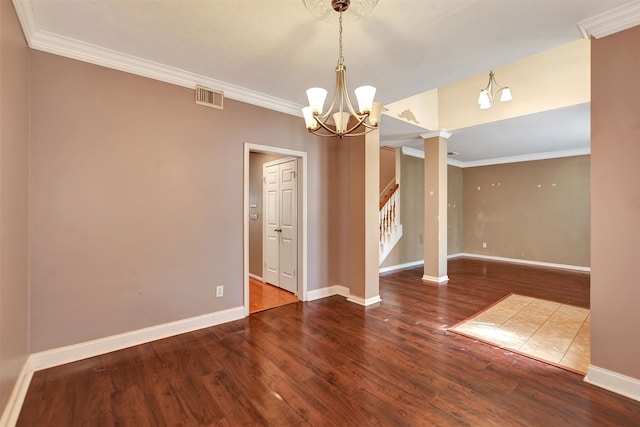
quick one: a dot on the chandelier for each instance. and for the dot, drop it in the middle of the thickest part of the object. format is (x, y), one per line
(491, 91)
(336, 120)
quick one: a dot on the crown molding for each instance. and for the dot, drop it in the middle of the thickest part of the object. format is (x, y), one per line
(454, 162)
(410, 151)
(86, 52)
(27, 18)
(442, 133)
(413, 152)
(528, 157)
(610, 22)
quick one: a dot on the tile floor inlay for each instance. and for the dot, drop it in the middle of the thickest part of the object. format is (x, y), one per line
(545, 330)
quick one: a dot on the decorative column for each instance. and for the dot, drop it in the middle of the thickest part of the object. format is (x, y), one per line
(364, 239)
(435, 206)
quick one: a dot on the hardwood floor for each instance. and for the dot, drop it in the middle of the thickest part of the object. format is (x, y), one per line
(334, 363)
(263, 296)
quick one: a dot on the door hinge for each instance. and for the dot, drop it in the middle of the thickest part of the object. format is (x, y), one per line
(294, 272)
(264, 179)
(295, 174)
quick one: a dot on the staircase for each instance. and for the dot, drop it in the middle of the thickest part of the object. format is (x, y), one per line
(390, 230)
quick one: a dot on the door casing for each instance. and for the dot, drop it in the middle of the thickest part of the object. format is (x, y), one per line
(302, 216)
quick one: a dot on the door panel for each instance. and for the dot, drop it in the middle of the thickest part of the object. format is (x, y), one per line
(271, 239)
(281, 224)
(288, 224)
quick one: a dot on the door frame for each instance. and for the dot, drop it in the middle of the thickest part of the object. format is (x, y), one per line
(301, 157)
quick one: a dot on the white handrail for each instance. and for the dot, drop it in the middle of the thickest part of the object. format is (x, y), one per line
(388, 220)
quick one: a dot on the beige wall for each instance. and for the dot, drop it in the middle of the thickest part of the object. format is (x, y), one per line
(411, 247)
(337, 206)
(136, 200)
(615, 192)
(256, 160)
(455, 210)
(387, 166)
(536, 211)
(14, 134)
(510, 213)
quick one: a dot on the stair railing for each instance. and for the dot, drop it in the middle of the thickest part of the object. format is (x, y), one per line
(388, 214)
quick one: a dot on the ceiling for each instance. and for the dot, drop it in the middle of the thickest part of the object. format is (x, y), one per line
(274, 50)
(548, 134)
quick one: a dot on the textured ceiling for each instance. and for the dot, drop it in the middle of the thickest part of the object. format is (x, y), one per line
(277, 48)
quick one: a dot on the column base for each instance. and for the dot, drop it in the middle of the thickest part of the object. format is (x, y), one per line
(442, 280)
(364, 302)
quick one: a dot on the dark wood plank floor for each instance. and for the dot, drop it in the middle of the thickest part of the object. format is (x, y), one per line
(334, 363)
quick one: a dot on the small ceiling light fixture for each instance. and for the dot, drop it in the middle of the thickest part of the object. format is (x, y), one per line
(491, 91)
(341, 109)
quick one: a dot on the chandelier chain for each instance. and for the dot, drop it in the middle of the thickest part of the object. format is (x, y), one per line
(340, 57)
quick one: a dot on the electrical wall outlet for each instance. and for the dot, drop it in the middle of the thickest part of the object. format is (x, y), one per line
(219, 291)
(484, 245)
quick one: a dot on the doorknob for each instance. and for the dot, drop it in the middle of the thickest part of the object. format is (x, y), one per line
(278, 230)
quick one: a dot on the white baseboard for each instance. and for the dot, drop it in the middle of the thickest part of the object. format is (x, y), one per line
(327, 292)
(613, 381)
(412, 264)
(342, 291)
(16, 399)
(255, 276)
(440, 280)
(72, 353)
(526, 262)
(364, 302)
(401, 266)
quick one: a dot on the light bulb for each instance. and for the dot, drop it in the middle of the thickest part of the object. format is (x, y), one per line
(376, 114)
(316, 96)
(506, 95)
(309, 120)
(341, 120)
(364, 95)
(484, 97)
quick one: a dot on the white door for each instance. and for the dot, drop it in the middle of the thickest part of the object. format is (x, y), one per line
(280, 247)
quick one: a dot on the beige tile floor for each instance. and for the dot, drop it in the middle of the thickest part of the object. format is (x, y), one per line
(545, 330)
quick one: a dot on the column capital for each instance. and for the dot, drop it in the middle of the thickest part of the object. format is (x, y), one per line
(442, 133)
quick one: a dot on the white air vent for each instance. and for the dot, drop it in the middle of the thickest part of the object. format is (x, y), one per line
(209, 97)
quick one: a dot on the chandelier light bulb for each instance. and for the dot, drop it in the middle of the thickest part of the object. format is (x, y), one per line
(364, 96)
(506, 95)
(316, 97)
(309, 120)
(484, 97)
(376, 114)
(341, 120)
